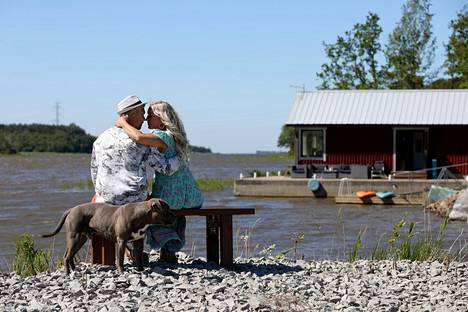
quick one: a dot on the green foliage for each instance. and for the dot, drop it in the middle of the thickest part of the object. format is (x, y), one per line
(286, 138)
(199, 149)
(402, 247)
(5, 144)
(214, 184)
(457, 49)
(442, 83)
(353, 58)
(47, 138)
(29, 260)
(411, 47)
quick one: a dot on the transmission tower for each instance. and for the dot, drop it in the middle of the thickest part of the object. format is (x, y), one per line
(57, 113)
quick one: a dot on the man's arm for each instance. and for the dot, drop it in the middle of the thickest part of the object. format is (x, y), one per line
(161, 164)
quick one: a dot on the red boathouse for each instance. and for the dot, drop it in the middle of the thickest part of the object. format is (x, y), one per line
(408, 130)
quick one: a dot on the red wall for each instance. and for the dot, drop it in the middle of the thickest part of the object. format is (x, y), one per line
(449, 145)
(366, 144)
(357, 145)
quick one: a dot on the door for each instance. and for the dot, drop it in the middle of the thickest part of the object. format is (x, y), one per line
(411, 150)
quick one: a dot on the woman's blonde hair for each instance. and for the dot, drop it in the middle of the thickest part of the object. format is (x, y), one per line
(173, 125)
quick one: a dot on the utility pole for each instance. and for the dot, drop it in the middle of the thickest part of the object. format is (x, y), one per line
(57, 113)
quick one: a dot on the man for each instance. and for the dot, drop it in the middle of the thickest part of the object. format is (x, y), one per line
(118, 166)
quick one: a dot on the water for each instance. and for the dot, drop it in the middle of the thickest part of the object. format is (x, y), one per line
(36, 189)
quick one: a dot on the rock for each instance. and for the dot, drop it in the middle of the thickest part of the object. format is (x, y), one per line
(460, 207)
(253, 286)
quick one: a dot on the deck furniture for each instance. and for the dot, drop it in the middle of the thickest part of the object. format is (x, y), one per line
(219, 243)
(378, 170)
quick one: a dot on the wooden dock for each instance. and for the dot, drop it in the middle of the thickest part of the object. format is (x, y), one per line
(378, 201)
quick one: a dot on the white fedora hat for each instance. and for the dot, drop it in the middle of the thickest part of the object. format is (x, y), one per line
(129, 103)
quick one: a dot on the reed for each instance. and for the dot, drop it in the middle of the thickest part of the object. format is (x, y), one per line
(243, 241)
(354, 254)
(405, 244)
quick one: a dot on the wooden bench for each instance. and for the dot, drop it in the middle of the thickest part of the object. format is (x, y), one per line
(219, 243)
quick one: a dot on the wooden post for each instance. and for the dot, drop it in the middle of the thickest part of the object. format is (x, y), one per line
(226, 240)
(102, 251)
(212, 239)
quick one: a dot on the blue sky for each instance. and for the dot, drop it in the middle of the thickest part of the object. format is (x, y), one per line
(226, 66)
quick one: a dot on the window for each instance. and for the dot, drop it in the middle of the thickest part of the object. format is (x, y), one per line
(313, 143)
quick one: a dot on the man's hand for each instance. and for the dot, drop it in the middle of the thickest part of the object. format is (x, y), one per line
(120, 120)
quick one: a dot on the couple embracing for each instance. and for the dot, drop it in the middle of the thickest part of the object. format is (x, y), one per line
(120, 158)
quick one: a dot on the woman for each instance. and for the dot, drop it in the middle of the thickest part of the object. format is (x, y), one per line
(180, 190)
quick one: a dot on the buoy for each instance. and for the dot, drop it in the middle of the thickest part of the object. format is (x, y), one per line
(313, 185)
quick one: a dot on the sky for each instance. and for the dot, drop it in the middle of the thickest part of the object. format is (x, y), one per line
(228, 67)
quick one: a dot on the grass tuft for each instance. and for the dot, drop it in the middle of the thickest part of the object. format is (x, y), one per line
(29, 260)
(214, 184)
(404, 246)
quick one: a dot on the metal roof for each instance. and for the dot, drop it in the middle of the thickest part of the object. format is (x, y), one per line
(374, 107)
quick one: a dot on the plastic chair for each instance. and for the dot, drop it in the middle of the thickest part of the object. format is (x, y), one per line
(378, 170)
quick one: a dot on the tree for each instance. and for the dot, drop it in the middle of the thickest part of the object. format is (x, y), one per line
(457, 49)
(286, 138)
(352, 58)
(411, 47)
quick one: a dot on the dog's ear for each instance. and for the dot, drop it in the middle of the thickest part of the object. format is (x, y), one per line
(164, 204)
(157, 204)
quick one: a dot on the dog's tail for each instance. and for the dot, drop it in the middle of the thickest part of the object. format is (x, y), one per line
(59, 225)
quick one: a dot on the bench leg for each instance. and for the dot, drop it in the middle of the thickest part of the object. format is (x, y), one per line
(102, 251)
(226, 240)
(212, 239)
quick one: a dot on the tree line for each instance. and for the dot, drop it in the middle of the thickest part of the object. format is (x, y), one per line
(408, 56)
(45, 138)
(51, 138)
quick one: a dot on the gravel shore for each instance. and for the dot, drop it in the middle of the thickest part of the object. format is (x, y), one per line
(258, 284)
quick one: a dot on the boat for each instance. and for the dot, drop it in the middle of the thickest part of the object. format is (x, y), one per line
(384, 195)
(365, 194)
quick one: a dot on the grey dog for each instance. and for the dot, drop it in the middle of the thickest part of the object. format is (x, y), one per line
(126, 223)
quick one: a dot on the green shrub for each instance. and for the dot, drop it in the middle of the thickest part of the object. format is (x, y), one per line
(29, 260)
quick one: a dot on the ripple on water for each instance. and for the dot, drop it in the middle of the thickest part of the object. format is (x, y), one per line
(31, 200)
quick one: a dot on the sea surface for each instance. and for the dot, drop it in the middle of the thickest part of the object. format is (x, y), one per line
(35, 190)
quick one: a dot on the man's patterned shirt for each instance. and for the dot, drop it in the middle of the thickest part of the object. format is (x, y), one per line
(118, 167)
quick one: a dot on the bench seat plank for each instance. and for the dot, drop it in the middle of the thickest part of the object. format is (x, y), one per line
(213, 211)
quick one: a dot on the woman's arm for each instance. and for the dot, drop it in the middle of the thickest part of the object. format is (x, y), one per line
(148, 139)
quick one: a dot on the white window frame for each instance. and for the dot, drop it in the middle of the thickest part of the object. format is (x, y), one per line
(324, 156)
